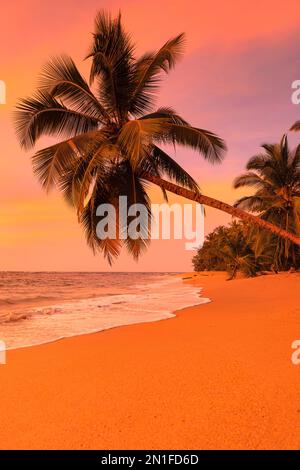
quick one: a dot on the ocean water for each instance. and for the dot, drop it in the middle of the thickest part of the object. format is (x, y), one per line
(41, 307)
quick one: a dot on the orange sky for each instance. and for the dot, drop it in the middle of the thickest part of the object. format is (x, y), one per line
(235, 79)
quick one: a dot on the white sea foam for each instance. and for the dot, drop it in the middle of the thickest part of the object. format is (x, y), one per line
(144, 298)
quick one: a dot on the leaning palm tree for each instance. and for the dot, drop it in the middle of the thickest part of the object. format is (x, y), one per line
(113, 138)
(275, 175)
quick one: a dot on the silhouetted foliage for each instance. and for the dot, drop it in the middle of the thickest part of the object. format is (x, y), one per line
(229, 249)
(275, 176)
(112, 130)
(234, 249)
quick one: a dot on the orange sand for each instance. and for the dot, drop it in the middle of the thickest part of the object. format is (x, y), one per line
(216, 376)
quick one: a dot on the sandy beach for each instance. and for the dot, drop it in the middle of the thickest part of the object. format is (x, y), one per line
(217, 376)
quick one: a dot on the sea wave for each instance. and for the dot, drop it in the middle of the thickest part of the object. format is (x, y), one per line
(22, 300)
(149, 301)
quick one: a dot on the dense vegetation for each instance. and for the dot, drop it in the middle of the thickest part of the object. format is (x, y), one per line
(275, 176)
(235, 248)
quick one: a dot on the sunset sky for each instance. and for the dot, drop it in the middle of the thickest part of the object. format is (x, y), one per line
(235, 79)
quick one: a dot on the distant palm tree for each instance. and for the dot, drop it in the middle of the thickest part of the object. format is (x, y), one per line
(275, 175)
(237, 253)
(112, 146)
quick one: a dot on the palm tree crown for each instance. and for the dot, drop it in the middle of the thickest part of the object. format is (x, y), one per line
(111, 132)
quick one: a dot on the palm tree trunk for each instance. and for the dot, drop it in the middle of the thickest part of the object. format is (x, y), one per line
(233, 274)
(222, 206)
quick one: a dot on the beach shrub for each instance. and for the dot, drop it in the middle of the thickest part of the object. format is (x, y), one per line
(231, 249)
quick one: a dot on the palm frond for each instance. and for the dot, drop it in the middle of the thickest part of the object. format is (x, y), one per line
(251, 203)
(295, 162)
(203, 141)
(137, 194)
(295, 126)
(258, 162)
(284, 154)
(173, 170)
(49, 163)
(44, 115)
(100, 157)
(112, 56)
(52, 163)
(108, 188)
(250, 179)
(110, 247)
(69, 182)
(136, 136)
(166, 113)
(179, 131)
(147, 73)
(61, 79)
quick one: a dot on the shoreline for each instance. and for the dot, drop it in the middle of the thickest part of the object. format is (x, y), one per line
(165, 314)
(172, 314)
(227, 363)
